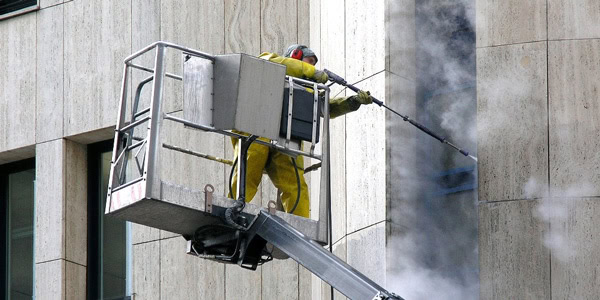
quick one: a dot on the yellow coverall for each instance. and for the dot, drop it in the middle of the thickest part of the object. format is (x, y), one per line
(279, 166)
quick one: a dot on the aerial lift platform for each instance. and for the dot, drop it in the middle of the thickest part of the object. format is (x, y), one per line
(223, 95)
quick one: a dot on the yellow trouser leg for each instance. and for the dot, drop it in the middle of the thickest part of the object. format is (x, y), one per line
(257, 159)
(281, 172)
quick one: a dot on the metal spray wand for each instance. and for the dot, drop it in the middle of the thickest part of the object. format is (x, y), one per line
(341, 81)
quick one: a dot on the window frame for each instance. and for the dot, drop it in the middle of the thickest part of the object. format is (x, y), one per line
(21, 9)
(8, 169)
(94, 215)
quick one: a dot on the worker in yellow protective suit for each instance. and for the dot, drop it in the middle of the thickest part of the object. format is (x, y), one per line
(299, 61)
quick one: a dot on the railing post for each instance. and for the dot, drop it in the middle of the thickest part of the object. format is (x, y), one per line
(153, 150)
(120, 120)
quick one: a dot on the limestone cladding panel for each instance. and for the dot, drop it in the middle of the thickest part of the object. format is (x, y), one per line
(316, 288)
(280, 279)
(513, 262)
(401, 38)
(145, 27)
(510, 22)
(50, 280)
(142, 234)
(332, 53)
(574, 69)
(50, 193)
(76, 280)
(278, 25)
(47, 3)
(340, 250)
(367, 252)
(512, 121)
(146, 270)
(304, 283)
(403, 151)
(315, 27)
(242, 27)
(76, 196)
(242, 283)
(50, 55)
(332, 57)
(17, 81)
(315, 176)
(97, 38)
(94, 136)
(304, 22)
(569, 19)
(338, 176)
(314, 187)
(575, 257)
(194, 24)
(366, 161)
(182, 275)
(17, 154)
(365, 38)
(145, 15)
(61, 202)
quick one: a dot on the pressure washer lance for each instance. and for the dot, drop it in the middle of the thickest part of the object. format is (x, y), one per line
(341, 81)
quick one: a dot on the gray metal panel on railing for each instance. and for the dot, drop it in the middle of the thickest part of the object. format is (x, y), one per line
(247, 94)
(198, 91)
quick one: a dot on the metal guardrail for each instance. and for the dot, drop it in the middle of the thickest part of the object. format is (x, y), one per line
(143, 149)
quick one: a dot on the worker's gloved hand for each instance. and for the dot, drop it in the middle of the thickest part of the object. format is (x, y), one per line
(364, 97)
(320, 76)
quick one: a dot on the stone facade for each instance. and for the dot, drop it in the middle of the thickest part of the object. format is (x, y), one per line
(64, 96)
(537, 84)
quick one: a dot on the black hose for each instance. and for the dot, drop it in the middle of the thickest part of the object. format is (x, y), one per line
(298, 185)
(231, 176)
(233, 211)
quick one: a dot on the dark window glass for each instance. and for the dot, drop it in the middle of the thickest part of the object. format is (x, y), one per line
(7, 6)
(108, 251)
(17, 209)
(446, 227)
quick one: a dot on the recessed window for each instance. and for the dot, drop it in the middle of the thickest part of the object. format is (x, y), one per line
(109, 248)
(10, 8)
(16, 230)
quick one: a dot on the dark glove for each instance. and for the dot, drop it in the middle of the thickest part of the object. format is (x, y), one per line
(364, 97)
(320, 76)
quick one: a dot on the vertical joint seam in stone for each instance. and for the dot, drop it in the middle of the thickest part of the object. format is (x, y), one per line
(64, 165)
(224, 33)
(159, 267)
(345, 136)
(37, 14)
(260, 48)
(64, 279)
(548, 136)
(62, 128)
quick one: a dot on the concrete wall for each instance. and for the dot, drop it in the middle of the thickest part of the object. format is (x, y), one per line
(60, 72)
(538, 101)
